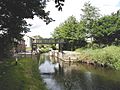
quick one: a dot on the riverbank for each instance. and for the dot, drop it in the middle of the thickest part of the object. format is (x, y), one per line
(108, 56)
(103, 57)
(23, 76)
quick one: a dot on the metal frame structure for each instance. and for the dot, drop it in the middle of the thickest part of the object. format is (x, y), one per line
(35, 42)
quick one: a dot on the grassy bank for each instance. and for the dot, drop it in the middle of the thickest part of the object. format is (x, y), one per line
(23, 76)
(108, 55)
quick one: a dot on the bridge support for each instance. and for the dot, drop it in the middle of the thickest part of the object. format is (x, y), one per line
(60, 47)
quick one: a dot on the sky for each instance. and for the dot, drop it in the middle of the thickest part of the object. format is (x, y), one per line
(71, 7)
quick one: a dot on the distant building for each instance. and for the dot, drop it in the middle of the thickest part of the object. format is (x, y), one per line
(27, 41)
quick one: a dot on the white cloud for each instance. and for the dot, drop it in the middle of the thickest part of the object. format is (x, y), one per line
(106, 6)
(72, 7)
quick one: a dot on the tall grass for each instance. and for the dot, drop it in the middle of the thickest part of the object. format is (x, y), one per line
(23, 76)
(108, 55)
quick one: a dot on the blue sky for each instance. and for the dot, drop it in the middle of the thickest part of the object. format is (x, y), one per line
(71, 7)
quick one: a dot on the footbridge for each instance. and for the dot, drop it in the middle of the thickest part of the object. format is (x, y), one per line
(35, 42)
(47, 41)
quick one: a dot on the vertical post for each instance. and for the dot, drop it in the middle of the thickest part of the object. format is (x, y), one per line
(36, 45)
(59, 47)
(25, 52)
(16, 59)
(31, 49)
(31, 42)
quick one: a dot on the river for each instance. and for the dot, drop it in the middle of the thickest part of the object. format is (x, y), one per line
(59, 75)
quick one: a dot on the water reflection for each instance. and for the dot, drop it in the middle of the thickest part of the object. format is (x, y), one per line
(74, 76)
(51, 83)
(47, 68)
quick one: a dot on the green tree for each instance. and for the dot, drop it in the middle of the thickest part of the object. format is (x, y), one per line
(67, 30)
(108, 29)
(88, 17)
(12, 19)
(71, 31)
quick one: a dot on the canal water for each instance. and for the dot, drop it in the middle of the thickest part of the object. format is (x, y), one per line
(58, 75)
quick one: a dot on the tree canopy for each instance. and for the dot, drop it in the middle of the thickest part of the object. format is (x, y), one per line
(12, 19)
(102, 30)
(67, 29)
(107, 29)
(89, 16)
(70, 30)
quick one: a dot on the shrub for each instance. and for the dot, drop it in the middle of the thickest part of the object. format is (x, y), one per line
(108, 55)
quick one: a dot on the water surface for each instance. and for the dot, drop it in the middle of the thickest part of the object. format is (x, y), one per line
(75, 76)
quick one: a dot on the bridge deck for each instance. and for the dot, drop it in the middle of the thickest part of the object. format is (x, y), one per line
(47, 41)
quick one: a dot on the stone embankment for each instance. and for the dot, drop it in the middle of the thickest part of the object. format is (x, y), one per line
(70, 56)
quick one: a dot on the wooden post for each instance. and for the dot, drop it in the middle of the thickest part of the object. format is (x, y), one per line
(16, 60)
(31, 49)
(69, 59)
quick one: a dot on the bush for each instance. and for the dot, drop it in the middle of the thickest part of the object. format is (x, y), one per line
(108, 55)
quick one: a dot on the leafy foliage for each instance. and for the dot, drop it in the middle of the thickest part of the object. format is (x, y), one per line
(68, 29)
(59, 4)
(108, 55)
(102, 31)
(89, 16)
(107, 30)
(71, 31)
(12, 19)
